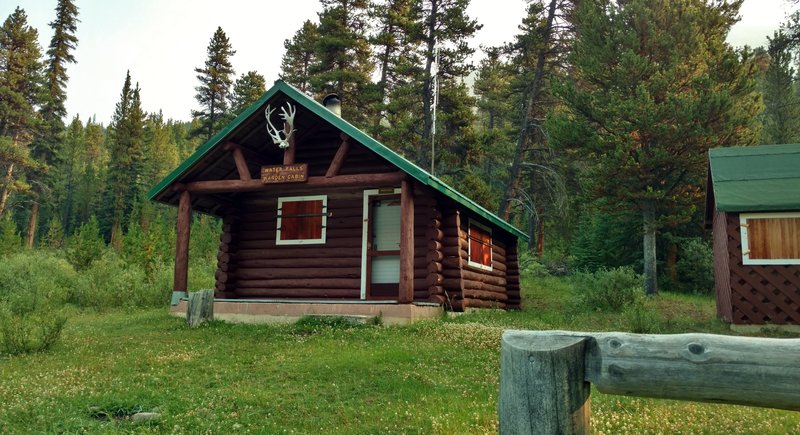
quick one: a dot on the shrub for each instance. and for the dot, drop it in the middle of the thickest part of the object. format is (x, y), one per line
(641, 317)
(609, 289)
(530, 266)
(112, 282)
(695, 267)
(10, 240)
(33, 290)
(86, 246)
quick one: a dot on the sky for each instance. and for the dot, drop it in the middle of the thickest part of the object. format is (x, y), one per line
(162, 41)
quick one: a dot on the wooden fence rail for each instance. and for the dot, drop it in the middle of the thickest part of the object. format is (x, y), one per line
(545, 376)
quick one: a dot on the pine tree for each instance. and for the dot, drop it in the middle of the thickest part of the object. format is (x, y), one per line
(20, 91)
(448, 27)
(126, 162)
(91, 179)
(655, 86)
(215, 78)
(396, 42)
(70, 157)
(299, 56)
(343, 58)
(246, 91)
(59, 54)
(781, 103)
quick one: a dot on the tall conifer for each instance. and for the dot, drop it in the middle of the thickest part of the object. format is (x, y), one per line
(781, 103)
(247, 89)
(299, 56)
(216, 77)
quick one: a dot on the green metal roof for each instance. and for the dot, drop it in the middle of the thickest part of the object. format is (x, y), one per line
(300, 98)
(758, 178)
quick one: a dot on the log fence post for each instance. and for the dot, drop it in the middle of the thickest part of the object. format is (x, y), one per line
(545, 376)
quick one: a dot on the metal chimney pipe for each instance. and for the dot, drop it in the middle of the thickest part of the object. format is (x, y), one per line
(333, 103)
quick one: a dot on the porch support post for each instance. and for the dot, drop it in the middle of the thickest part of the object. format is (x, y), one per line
(182, 248)
(288, 153)
(406, 242)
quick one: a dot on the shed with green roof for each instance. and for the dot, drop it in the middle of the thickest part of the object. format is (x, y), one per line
(753, 206)
(320, 218)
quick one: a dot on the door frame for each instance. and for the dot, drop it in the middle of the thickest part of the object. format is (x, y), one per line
(365, 234)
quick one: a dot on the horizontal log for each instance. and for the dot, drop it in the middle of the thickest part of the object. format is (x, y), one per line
(434, 267)
(478, 303)
(434, 245)
(455, 241)
(497, 250)
(421, 295)
(512, 279)
(372, 180)
(498, 265)
(225, 238)
(222, 294)
(453, 232)
(454, 251)
(452, 284)
(224, 257)
(434, 279)
(484, 295)
(332, 283)
(296, 251)
(301, 263)
(454, 263)
(227, 247)
(697, 367)
(435, 256)
(436, 290)
(437, 299)
(310, 293)
(485, 286)
(280, 273)
(435, 224)
(227, 267)
(330, 233)
(328, 245)
(475, 276)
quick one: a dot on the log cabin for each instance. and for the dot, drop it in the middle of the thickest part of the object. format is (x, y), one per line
(320, 218)
(753, 208)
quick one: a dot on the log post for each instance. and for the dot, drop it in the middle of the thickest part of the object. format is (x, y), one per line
(406, 242)
(200, 308)
(338, 159)
(241, 164)
(542, 387)
(182, 247)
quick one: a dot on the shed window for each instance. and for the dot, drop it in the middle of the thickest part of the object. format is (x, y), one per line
(770, 238)
(480, 246)
(301, 220)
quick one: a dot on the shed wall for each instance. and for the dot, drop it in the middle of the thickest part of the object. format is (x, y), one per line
(760, 294)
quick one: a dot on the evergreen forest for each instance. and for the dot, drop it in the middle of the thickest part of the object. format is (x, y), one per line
(589, 130)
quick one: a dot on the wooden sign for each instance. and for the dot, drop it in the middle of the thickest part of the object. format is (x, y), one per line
(296, 173)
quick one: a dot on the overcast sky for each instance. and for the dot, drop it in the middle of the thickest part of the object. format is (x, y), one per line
(162, 41)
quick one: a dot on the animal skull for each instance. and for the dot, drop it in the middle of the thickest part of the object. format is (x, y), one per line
(281, 137)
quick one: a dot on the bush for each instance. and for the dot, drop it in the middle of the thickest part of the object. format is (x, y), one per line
(609, 289)
(33, 290)
(530, 266)
(86, 246)
(641, 317)
(10, 240)
(112, 282)
(695, 267)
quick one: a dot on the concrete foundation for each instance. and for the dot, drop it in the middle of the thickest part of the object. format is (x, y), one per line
(287, 311)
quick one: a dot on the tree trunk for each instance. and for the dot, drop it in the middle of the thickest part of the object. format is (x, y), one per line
(427, 87)
(649, 243)
(672, 262)
(6, 188)
(34, 218)
(527, 113)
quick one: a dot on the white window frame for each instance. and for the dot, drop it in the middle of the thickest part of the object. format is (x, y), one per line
(743, 218)
(279, 212)
(469, 246)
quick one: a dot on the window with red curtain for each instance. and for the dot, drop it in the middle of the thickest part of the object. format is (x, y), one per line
(480, 246)
(301, 220)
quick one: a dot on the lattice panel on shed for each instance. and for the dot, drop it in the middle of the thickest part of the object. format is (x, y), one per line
(761, 294)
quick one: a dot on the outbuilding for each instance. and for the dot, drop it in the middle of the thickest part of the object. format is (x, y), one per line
(320, 218)
(753, 206)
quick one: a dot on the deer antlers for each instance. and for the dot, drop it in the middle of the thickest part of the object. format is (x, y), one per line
(281, 137)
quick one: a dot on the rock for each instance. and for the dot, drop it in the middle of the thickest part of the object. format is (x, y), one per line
(140, 417)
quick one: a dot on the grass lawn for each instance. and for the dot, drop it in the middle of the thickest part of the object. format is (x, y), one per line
(433, 377)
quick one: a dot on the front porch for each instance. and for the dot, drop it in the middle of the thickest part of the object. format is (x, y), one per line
(289, 311)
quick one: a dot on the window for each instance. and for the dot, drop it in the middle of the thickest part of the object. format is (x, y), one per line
(301, 220)
(480, 246)
(770, 238)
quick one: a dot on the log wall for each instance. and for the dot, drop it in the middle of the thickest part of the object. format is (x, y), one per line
(759, 294)
(226, 258)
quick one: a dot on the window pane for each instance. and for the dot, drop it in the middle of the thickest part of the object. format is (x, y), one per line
(480, 246)
(301, 220)
(774, 238)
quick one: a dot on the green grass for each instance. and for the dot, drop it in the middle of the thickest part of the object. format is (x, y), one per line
(436, 376)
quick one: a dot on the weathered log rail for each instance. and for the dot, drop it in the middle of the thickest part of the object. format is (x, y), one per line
(545, 376)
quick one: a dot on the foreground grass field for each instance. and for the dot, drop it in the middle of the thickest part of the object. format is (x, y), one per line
(433, 377)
